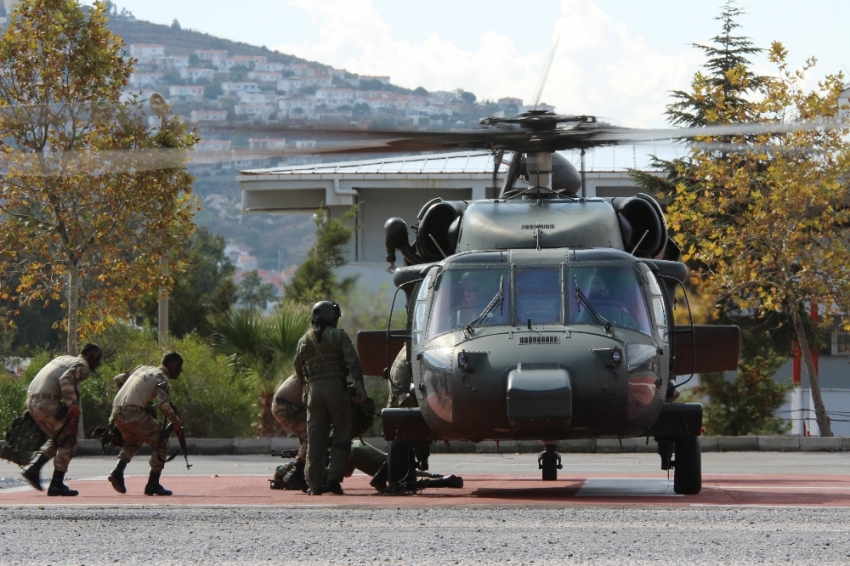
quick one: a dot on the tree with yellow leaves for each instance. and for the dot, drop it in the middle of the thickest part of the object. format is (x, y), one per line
(85, 217)
(766, 215)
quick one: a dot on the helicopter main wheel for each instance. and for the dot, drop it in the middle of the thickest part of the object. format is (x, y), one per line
(550, 462)
(687, 468)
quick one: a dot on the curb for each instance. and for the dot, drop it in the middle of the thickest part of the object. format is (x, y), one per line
(243, 446)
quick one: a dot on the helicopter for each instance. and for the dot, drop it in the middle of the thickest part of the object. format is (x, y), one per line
(543, 315)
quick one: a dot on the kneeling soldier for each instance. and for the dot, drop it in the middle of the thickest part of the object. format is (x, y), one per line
(289, 409)
(137, 426)
(58, 382)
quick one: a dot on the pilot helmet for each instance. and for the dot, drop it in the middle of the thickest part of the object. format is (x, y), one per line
(326, 313)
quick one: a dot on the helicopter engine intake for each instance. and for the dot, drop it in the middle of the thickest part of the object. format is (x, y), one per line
(642, 225)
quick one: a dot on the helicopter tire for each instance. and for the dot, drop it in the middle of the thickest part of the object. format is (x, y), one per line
(687, 471)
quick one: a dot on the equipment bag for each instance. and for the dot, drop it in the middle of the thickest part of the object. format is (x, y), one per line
(23, 439)
(362, 414)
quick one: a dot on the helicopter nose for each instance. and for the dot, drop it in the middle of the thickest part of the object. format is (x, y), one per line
(539, 392)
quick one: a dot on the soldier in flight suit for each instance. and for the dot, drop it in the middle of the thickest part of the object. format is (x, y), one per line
(143, 385)
(323, 359)
(58, 382)
(290, 411)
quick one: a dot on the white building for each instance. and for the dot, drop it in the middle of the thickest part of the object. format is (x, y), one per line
(173, 62)
(270, 67)
(334, 97)
(297, 107)
(145, 80)
(268, 77)
(233, 89)
(266, 143)
(147, 52)
(196, 74)
(257, 97)
(194, 93)
(210, 145)
(208, 116)
(210, 55)
(246, 61)
(254, 110)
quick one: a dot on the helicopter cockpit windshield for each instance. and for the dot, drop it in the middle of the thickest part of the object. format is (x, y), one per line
(614, 293)
(462, 296)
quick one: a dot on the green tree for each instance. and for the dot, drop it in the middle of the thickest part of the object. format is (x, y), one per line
(725, 91)
(82, 221)
(767, 223)
(468, 97)
(315, 280)
(262, 348)
(253, 293)
(204, 289)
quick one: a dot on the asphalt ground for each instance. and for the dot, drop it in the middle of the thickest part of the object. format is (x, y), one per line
(604, 509)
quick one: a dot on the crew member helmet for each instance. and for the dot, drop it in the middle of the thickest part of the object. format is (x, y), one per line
(326, 312)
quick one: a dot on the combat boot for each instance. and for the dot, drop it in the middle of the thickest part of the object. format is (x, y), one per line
(32, 473)
(58, 487)
(294, 478)
(116, 478)
(379, 480)
(153, 487)
(333, 487)
(311, 491)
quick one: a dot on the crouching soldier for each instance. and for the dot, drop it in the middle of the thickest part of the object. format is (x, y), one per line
(143, 385)
(53, 400)
(289, 409)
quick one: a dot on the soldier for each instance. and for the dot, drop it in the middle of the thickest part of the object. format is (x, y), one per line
(143, 385)
(290, 411)
(323, 358)
(55, 384)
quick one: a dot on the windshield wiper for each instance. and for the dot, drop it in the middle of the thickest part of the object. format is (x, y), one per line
(498, 299)
(581, 299)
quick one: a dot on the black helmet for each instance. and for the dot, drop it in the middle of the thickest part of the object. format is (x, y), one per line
(326, 313)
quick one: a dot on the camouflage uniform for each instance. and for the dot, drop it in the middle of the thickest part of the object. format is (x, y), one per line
(143, 385)
(56, 382)
(324, 366)
(401, 375)
(290, 411)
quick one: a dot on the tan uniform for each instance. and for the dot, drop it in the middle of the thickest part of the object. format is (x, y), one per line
(401, 375)
(143, 385)
(324, 366)
(289, 409)
(57, 382)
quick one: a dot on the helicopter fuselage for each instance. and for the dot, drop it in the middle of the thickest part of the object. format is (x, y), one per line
(542, 344)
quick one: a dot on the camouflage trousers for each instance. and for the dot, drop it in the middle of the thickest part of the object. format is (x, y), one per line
(401, 374)
(63, 447)
(137, 427)
(294, 419)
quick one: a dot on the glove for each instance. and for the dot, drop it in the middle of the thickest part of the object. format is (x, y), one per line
(177, 426)
(73, 412)
(360, 392)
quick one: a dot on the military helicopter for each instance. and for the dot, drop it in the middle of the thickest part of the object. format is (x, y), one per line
(543, 315)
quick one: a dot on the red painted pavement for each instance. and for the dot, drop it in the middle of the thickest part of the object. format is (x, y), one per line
(479, 490)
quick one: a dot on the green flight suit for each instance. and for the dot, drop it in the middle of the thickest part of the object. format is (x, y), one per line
(324, 366)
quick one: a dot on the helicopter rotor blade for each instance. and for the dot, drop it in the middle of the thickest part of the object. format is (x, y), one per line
(545, 76)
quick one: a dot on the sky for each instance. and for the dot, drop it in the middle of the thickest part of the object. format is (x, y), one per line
(617, 59)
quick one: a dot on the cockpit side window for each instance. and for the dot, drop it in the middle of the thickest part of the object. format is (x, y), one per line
(614, 292)
(418, 321)
(462, 295)
(656, 299)
(538, 295)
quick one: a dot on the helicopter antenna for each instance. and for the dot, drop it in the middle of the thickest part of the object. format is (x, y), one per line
(634, 249)
(545, 76)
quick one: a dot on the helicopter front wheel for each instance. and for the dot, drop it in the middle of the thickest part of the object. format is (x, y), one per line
(550, 462)
(687, 466)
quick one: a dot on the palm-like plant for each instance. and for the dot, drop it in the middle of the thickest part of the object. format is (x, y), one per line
(262, 348)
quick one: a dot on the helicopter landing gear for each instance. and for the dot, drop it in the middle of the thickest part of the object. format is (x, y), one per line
(687, 470)
(550, 462)
(687, 464)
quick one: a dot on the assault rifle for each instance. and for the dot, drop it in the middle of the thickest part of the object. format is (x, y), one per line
(166, 432)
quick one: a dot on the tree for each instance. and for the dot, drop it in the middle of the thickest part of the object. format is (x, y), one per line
(78, 223)
(204, 289)
(725, 92)
(253, 293)
(468, 97)
(314, 280)
(176, 25)
(769, 223)
(262, 347)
